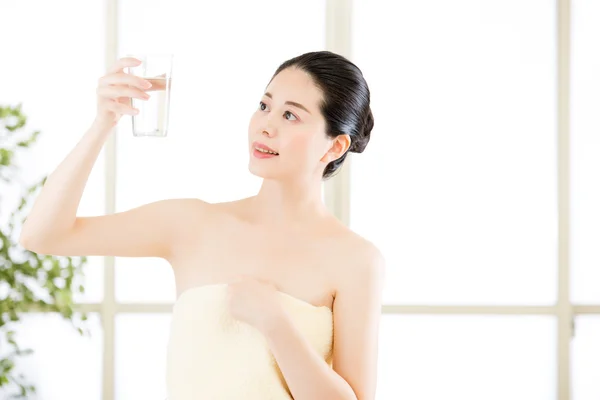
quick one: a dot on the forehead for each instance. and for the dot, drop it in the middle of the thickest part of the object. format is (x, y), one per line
(293, 84)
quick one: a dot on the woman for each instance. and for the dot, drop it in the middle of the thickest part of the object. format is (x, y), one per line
(276, 299)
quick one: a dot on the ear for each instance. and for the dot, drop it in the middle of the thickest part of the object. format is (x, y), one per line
(339, 146)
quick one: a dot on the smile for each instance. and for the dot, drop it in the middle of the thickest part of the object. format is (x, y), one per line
(265, 151)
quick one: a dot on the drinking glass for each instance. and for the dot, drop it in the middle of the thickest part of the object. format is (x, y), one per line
(153, 118)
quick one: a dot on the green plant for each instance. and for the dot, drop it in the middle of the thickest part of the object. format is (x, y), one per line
(28, 281)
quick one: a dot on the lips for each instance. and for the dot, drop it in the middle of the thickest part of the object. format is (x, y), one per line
(265, 149)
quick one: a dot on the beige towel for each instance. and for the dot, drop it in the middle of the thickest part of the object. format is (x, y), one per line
(213, 356)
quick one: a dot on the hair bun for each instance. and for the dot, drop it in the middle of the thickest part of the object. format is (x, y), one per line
(360, 143)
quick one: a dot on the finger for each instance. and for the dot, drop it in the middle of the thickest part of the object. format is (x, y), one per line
(114, 92)
(158, 83)
(124, 63)
(121, 78)
(121, 108)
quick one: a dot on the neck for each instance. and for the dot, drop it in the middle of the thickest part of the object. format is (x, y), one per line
(289, 202)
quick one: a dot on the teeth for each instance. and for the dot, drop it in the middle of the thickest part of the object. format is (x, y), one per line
(266, 151)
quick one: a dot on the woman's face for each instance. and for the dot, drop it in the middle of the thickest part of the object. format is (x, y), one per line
(288, 120)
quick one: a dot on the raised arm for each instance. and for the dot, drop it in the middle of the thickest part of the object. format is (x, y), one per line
(52, 226)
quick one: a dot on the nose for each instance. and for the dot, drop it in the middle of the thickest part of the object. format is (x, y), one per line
(267, 133)
(269, 129)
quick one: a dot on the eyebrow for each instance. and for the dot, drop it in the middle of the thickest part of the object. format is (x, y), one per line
(291, 103)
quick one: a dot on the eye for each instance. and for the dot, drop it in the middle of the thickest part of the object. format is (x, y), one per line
(262, 106)
(288, 115)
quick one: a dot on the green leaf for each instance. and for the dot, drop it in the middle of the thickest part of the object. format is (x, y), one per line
(46, 283)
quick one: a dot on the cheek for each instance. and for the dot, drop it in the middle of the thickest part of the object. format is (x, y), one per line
(253, 123)
(305, 146)
(297, 142)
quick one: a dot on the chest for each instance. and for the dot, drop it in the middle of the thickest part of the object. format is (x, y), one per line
(298, 264)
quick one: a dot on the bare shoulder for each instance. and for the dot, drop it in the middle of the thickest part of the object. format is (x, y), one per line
(194, 217)
(180, 210)
(183, 216)
(230, 210)
(359, 260)
(197, 214)
(190, 207)
(189, 203)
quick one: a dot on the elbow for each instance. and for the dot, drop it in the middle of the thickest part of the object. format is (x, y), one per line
(27, 242)
(24, 239)
(37, 238)
(48, 243)
(33, 242)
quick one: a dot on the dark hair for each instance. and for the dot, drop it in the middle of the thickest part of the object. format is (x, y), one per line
(346, 98)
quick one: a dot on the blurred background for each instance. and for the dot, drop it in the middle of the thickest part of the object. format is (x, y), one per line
(480, 184)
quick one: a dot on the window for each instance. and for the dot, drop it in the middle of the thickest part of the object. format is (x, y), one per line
(585, 148)
(468, 359)
(462, 164)
(140, 355)
(459, 187)
(64, 364)
(586, 358)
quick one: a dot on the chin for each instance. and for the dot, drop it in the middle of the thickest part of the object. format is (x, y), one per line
(262, 172)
